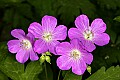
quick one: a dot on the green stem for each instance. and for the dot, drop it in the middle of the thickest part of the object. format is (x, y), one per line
(59, 75)
(45, 70)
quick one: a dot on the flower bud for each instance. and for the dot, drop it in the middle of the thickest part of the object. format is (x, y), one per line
(48, 53)
(42, 59)
(89, 69)
(48, 59)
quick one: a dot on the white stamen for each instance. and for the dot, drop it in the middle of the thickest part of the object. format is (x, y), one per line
(88, 34)
(25, 44)
(47, 36)
(75, 54)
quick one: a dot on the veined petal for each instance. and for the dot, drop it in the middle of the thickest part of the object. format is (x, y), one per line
(88, 45)
(82, 22)
(75, 43)
(13, 46)
(18, 33)
(22, 56)
(36, 29)
(49, 23)
(40, 46)
(79, 67)
(52, 46)
(74, 33)
(101, 39)
(64, 62)
(33, 55)
(63, 48)
(60, 32)
(98, 26)
(31, 37)
(87, 57)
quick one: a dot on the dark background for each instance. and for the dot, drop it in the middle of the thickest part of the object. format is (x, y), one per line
(20, 13)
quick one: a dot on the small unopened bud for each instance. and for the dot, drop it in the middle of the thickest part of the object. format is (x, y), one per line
(48, 59)
(42, 59)
(89, 69)
(48, 53)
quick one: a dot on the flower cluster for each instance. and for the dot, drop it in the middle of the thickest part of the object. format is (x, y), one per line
(46, 36)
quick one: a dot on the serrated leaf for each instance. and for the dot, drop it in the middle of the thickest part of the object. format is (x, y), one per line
(3, 76)
(32, 70)
(105, 56)
(69, 9)
(3, 51)
(42, 7)
(113, 73)
(71, 76)
(12, 68)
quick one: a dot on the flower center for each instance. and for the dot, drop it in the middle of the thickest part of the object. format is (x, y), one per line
(88, 34)
(26, 44)
(75, 54)
(47, 36)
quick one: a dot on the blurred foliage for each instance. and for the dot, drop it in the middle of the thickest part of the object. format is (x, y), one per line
(113, 73)
(20, 13)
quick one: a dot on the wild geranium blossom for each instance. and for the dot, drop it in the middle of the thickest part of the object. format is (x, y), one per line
(23, 46)
(73, 56)
(47, 34)
(89, 35)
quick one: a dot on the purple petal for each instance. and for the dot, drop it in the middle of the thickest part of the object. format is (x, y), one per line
(13, 46)
(82, 22)
(31, 37)
(98, 26)
(60, 32)
(33, 56)
(52, 46)
(79, 67)
(74, 33)
(36, 29)
(49, 23)
(63, 48)
(64, 62)
(101, 39)
(75, 43)
(88, 45)
(18, 33)
(22, 56)
(87, 57)
(40, 46)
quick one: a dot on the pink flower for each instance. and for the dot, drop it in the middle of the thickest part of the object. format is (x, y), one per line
(89, 35)
(23, 46)
(73, 56)
(48, 34)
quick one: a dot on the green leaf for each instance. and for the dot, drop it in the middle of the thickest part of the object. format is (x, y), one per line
(69, 9)
(47, 73)
(71, 76)
(113, 73)
(12, 68)
(32, 70)
(42, 7)
(3, 76)
(3, 51)
(117, 18)
(109, 4)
